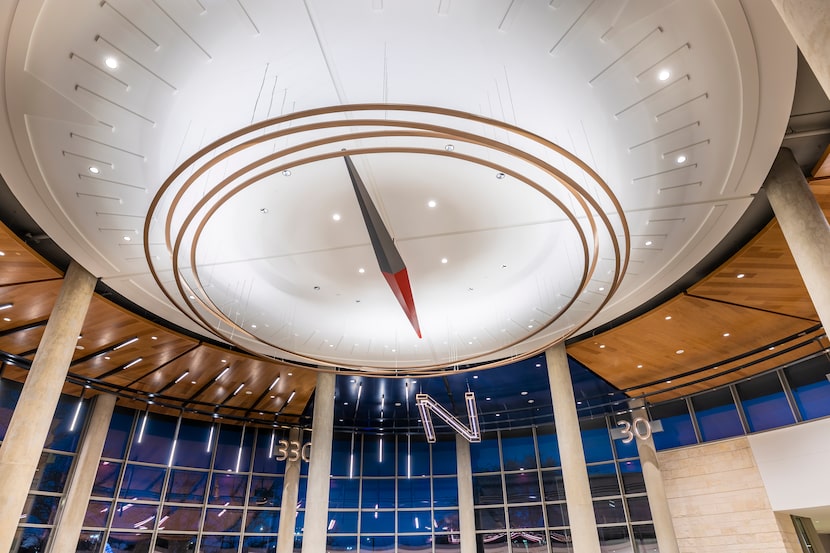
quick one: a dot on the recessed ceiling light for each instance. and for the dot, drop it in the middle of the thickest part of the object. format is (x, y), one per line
(740, 275)
(336, 217)
(432, 203)
(253, 326)
(602, 346)
(668, 381)
(94, 170)
(531, 401)
(602, 288)
(664, 75)
(286, 173)
(2, 254)
(524, 393)
(649, 242)
(361, 270)
(111, 62)
(154, 337)
(192, 297)
(449, 147)
(475, 377)
(668, 317)
(444, 260)
(529, 326)
(488, 398)
(639, 366)
(681, 158)
(127, 238)
(263, 210)
(678, 352)
(498, 414)
(8, 320)
(726, 335)
(290, 374)
(500, 175)
(771, 348)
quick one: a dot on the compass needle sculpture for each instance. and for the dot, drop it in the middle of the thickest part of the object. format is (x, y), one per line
(389, 259)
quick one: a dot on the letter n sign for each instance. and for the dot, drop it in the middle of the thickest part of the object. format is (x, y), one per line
(426, 405)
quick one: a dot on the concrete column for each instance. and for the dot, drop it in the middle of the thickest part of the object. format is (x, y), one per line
(657, 500)
(804, 226)
(79, 488)
(29, 426)
(319, 469)
(574, 472)
(466, 510)
(288, 506)
(809, 23)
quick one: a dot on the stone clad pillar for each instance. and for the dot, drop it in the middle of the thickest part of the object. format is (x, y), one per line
(804, 226)
(29, 425)
(70, 517)
(319, 469)
(657, 500)
(466, 505)
(288, 506)
(584, 535)
(809, 23)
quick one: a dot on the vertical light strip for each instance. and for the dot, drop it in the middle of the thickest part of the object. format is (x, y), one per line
(271, 446)
(380, 449)
(239, 453)
(351, 459)
(408, 456)
(175, 441)
(210, 437)
(143, 426)
(77, 412)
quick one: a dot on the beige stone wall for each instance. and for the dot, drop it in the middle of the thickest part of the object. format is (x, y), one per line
(719, 503)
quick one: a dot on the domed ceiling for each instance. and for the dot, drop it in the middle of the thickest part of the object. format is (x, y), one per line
(391, 188)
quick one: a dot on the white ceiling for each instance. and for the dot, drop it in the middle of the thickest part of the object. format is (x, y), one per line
(583, 74)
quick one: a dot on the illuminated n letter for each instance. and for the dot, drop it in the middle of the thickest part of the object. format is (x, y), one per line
(426, 404)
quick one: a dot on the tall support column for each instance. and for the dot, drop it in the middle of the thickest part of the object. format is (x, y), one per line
(657, 500)
(29, 425)
(73, 507)
(574, 472)
(288, 506)
(466, 505)
(809, 23)
(319, 469)
(804, 226)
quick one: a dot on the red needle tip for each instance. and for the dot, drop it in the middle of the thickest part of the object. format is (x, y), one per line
(399, 283)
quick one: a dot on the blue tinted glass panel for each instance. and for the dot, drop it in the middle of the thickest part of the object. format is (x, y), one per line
(526, 516)
(553, 485)
(443, 456)
(413, 456)
(377, 543)
(378, 492)
(717, 415)
(557, 515)
(259, 544)
(97, 513)
(372, 522)
(595, 440)
(233, 452)
(40, 509)
(517, 449)
(379, 456)
(485, 454)
(173, 543)
(302, 488)
(265, 450)
(810, 387)
(63, 435)
(118, 433)
(445, 521)
(9, 394)
(603, 480)
(343, 493)
(299, 525)
(677, 424)
(106, 479)
(522, 487)
(153, 444)
(220, 544)
(345, 459)
(414, 521)
(343, 522)
(142, 482)
(490, 519)
(413, 492)
(186, 486)
(52, 472)
(228, 489)
(609, 511)
(30, 540)
(487, 490)
(134, 516)
(192, 446)
(445, 492)
(415, 543)
(223, 520)
(764, 403)
(180, 519)
(265, 521)
(632, 476)
(548, 446)
(341, 543)
(266, 491)
(629, 450)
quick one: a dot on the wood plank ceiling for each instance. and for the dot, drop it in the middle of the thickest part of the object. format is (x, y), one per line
(750, 314)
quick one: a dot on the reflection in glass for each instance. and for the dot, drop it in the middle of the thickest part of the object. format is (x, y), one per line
(105, 479)
(127, 542)
(220, 544)
(184, 519)
(260, 544)
(638, 509)
(263, 521)
(97, 513)
(223, 520)
(413, 456)
(30, 540)
(609, 511)
(487, 490)
(485, 455)
(548, 446)
(632, 477)
(414, 492)
(614, 537)
(415, 543)
(377, 522)
(445, 521)
(153, 438)
(192, 445)
(645, 539)
(517, 449)
(118, 433)
(233, 448)
(142, 482)
(134, 516)
(344, 457)
(343, 493)
(266, 491)
(526, 516)
(341, 543)
(717, 415)
(52, 472)
(186, 486)
(490, 519)
(62, 434)
(414, 521)
(175, 543)
(557, 515)
(342, 522)
(445, 492)
(596, 441)
(228, 489)
(810, 387)
(677, 425)
(603, 480)
(378, 455)
(378, 493)
(553, 485)
(522, 487)
(40, 509)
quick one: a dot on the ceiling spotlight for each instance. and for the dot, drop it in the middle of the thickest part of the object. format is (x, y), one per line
(500, 175)
(2, 254)
(449, 147)
(681, 158)
(678, 352)
(263, 210)
(431, 203)
(602, 346)
(286, 173)
(664, 75)
(668, 317)
(127, 238)
(111, 62)
(639, 366)
(444, 260)
(602, 288)
(649, 242)
(94, 170)
(726, 335)
(8, 320)
(335, 217)
(361, 270)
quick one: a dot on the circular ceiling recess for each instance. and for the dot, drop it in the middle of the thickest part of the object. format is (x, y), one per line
(300, 237)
